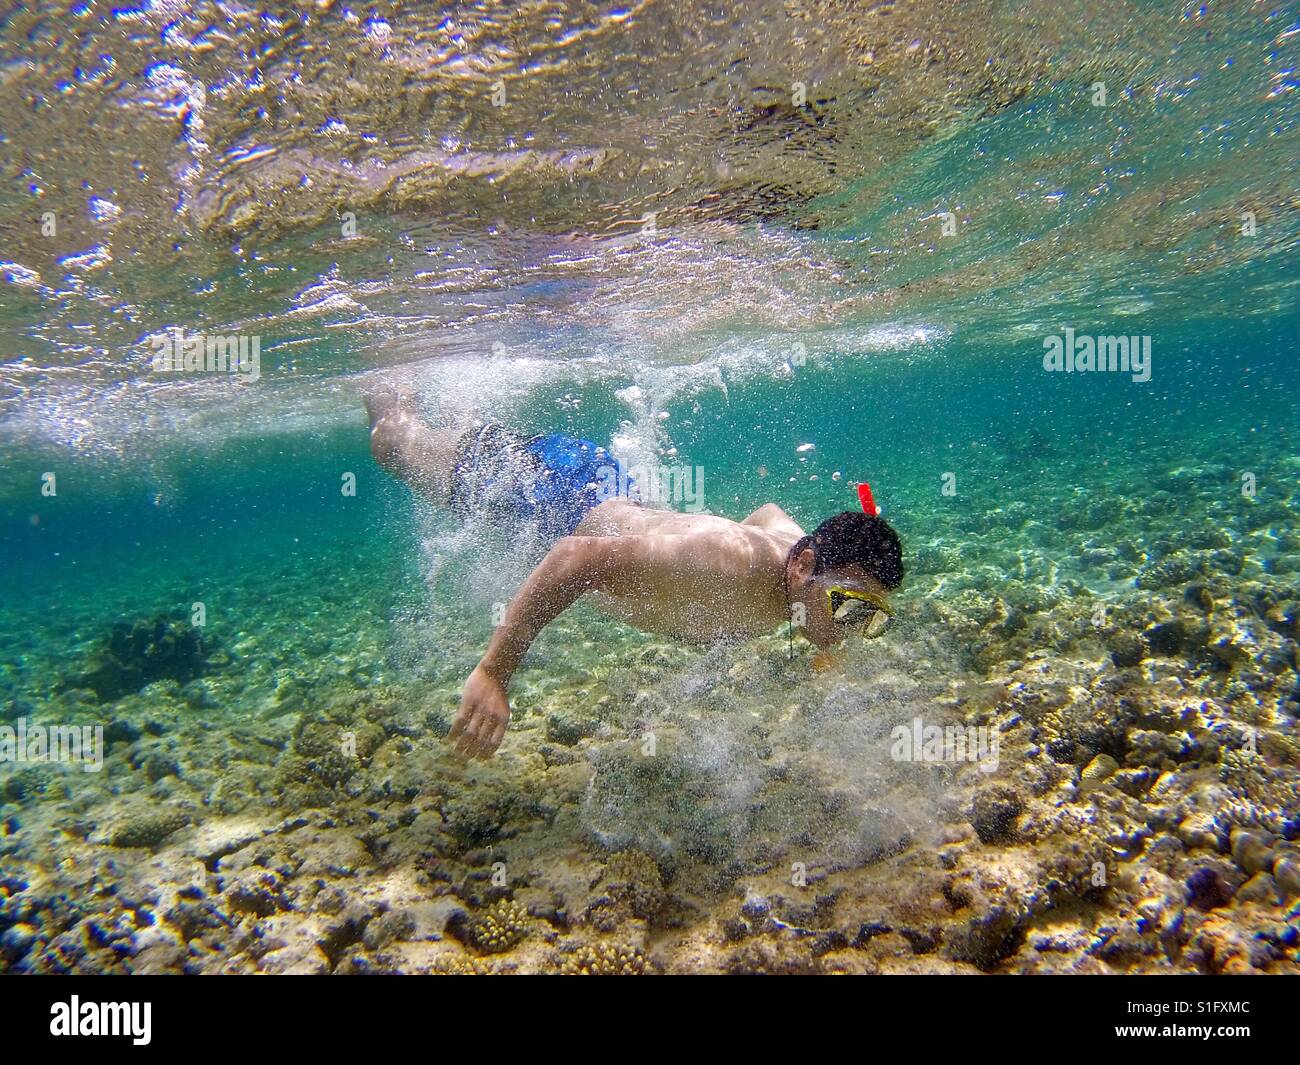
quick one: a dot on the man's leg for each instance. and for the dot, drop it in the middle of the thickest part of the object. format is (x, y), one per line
(404, 444)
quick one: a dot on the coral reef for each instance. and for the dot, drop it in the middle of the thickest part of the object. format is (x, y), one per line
(657, 808)
(630, 887)
(604, 959)
(133, 654)
(504, 925)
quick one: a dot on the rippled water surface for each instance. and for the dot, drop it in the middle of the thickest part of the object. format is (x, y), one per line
(196, 162)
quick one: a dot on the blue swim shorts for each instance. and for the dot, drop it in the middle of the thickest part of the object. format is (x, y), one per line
(549, 481)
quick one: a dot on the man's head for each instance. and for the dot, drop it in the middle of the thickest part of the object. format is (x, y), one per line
(852, 551)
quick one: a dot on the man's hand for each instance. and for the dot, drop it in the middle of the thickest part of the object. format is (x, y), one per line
(484, 715)
(573, 567)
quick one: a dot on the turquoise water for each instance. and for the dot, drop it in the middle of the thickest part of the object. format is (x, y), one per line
(1104, 572)
(272, 510)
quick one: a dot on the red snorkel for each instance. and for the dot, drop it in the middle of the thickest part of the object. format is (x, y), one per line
(867, 500)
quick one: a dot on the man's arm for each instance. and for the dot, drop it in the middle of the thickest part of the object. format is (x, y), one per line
(574, 566)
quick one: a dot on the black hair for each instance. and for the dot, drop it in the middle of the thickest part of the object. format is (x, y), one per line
(854, 537)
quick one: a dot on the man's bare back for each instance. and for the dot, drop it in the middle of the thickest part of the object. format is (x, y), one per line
(697, 576)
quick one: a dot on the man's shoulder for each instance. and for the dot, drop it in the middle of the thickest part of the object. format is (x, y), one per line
(770, 516)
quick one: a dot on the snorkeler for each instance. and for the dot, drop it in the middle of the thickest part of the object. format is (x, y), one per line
(691, 576)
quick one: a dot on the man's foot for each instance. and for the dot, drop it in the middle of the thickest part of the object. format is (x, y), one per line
(395, 420)
(383, 402)
(405, 444)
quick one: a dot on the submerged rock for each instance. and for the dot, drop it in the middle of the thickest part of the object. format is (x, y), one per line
(148, 829)
(994, 813)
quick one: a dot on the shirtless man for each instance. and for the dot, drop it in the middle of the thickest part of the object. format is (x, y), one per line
(689, 576)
